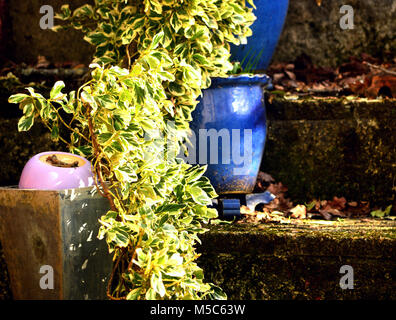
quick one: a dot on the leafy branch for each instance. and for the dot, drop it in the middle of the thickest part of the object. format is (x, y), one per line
(123, 120)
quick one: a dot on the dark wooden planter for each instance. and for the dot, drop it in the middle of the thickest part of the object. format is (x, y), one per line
(58, 229)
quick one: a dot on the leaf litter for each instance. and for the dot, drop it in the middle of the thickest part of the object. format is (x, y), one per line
(362, 77)
(282, 210)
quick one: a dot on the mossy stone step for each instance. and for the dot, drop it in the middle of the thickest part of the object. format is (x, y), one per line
(302, 260)
(326, 147)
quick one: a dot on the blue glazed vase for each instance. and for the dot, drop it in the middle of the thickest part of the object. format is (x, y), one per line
(229, 131)
(260, 47)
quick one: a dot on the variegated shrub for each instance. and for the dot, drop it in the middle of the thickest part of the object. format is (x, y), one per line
(152, 59)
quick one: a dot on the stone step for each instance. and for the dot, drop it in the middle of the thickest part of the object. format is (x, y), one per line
(326, 147)
(302, 260)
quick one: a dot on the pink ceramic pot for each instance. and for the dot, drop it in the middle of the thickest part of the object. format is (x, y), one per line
(67, 171)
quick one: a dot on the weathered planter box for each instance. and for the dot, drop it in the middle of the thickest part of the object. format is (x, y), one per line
(58, 229)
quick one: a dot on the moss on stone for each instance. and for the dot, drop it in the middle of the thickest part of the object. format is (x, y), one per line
(302, 261)
(315, 31)
(321, 148)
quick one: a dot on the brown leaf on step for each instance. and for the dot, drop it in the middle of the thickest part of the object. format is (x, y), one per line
(277, 188)
(277, 77)
(326, 215)
(353, 68)
(79, 66)
(42, 62)
(317, 205)
(265, 177)
(262, 182)
(361, 209)
(382, 85)
(318, 87)
(280, 203)
(290, 66)
(246, 210)
(336, 213)
(263, 216)
(331, 208)
(322, 203)
(291, 83)
(351, 82)
(337, 203)
(291, 75)
(299, 212)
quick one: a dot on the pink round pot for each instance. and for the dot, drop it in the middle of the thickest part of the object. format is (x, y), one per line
(40, 173)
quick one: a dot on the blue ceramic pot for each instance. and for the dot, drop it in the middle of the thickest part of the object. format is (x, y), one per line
(229, 126)
(266, 29)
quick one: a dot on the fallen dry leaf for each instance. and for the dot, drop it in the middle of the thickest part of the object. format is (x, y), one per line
(326, 215)
(263, 216)
(382, 84)
(291, 75)
(247, 210)
(42, 62)
(299, 212)
(262, 182)
(337, 203)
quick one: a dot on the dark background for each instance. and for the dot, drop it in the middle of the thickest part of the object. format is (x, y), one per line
(309, 28)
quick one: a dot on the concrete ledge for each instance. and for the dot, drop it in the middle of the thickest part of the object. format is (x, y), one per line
(302, 261)
(316, 31)
(321, 148)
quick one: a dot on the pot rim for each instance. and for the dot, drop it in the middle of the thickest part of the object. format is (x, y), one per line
(45, 153)
(246, 78)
